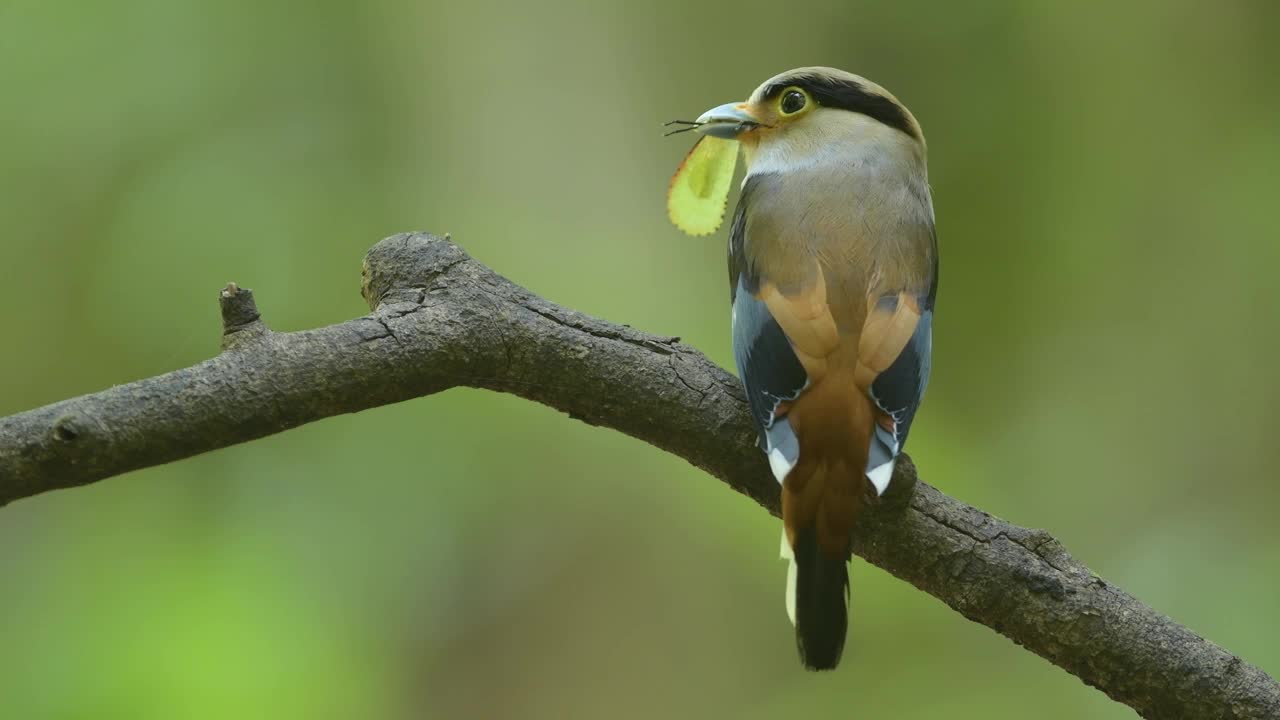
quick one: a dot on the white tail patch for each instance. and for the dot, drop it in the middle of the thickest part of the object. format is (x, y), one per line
(880, 476)
(790, 556)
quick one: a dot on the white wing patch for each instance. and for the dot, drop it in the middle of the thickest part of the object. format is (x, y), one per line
(779, 465)
(881, 475)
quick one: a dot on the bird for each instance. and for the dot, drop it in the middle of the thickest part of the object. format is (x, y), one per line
(833, 275)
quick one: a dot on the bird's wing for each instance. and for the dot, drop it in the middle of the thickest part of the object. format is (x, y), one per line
(771, 373)
(898, 336)
(770, 370)
(899, 388)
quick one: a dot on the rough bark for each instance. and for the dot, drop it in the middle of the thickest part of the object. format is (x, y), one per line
(440, 320)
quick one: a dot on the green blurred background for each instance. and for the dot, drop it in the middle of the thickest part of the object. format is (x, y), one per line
(1104, 180)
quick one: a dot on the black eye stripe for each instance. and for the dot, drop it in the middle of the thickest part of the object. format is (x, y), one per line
(848, 95)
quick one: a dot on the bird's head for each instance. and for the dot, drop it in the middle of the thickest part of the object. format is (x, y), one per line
(794, 119)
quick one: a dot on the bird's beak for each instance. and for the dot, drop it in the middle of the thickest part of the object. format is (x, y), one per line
(727, 121)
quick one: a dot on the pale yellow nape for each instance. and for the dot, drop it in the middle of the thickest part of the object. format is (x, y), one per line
(699, 190)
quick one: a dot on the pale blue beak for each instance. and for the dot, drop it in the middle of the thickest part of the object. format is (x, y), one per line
(727, 121)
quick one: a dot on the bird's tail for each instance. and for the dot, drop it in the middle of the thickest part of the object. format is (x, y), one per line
(822, 496)
(817, 600)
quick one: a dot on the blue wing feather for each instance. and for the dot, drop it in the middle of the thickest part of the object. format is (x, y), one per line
(766, 363)
(900, 388)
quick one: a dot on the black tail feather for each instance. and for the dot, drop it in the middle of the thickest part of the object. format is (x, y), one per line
(822, 607)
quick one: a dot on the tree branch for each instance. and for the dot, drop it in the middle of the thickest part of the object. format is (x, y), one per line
(441, 320)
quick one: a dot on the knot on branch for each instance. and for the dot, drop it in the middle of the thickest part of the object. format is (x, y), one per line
(406, 261)
(67, 429)
(240, 318)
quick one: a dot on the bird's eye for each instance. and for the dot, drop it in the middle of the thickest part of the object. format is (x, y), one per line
(793, 101)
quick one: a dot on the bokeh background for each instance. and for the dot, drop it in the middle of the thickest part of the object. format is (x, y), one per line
(1105, 179)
